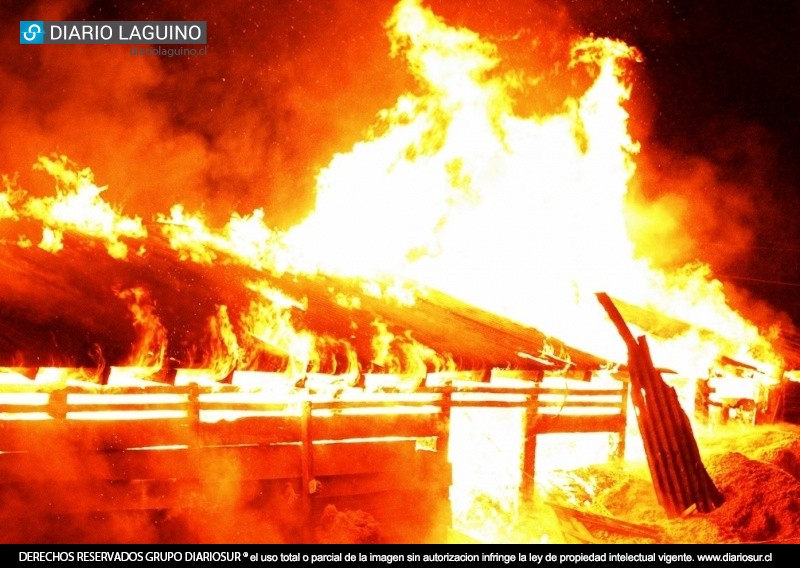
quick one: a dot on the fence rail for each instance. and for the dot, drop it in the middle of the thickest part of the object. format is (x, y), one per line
(162, 446)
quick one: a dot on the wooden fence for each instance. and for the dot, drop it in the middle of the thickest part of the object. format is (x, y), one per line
(262, 467)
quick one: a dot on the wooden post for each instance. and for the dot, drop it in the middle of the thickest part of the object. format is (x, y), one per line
(57, 403)
(193, 414)
(617, 440)
(622, 436)
(443, 441)
(529, 447)
(307, 466)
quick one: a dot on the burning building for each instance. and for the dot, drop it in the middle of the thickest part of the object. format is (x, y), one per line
(327, 381)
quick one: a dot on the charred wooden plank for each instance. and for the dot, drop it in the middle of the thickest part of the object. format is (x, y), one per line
(604, 522)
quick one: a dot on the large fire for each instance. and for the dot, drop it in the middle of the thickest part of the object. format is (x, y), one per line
(524, 216)
(454, 189)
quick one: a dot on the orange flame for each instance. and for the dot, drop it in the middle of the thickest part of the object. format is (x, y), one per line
(78, 207)
(453, 189)
(405, 355)
(270, 323)
(223, 353)
(246, 238)
(523, 216)
(150, 348)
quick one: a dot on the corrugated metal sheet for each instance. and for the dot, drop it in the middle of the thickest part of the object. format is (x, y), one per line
(680, 479)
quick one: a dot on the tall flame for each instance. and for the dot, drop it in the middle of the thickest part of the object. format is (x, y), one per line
(454, 189)
(523, 216)
(220, 354)
(270, 324)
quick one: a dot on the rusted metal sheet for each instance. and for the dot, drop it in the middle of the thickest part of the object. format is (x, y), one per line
(679, 477)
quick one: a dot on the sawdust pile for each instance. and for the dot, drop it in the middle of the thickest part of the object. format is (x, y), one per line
(757, 468)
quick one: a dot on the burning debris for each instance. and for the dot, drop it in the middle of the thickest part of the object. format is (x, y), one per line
(748, 464)
(347, 527)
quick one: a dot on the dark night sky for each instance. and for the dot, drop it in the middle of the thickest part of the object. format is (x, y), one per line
(724, 78)
(288, 83)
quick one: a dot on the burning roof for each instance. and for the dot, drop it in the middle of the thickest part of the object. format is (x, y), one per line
(155, 309)
(461, 232)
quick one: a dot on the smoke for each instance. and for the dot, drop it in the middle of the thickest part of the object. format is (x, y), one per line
(283, 88)
(286, 85)
(72, 493)
(717, 171)
(685, 209)
(96, 105)
(246, 126)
